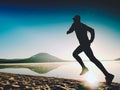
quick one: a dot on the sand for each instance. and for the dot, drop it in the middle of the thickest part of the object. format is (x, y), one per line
(9, 81)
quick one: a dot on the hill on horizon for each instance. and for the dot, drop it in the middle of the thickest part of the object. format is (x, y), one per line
(117, 59)
(40, 57)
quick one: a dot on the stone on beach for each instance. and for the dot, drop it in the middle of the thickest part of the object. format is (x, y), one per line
(11, 81)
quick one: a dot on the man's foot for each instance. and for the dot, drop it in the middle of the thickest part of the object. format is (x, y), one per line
(109, 79)
(84, 70)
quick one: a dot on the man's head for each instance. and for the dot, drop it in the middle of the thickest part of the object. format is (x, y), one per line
(76, 18)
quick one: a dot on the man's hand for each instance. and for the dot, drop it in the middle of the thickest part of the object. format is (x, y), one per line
(67, 32)
(90, 41)
(71, 29)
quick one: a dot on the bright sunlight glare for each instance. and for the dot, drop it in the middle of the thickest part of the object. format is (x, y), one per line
(91, 80)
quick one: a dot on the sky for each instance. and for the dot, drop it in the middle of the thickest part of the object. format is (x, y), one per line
(28, 27)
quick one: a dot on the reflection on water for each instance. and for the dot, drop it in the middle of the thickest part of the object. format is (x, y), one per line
(72, 70)
(19, 71)
(36, 67)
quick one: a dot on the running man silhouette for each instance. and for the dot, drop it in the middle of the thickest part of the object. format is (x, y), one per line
(81, 33)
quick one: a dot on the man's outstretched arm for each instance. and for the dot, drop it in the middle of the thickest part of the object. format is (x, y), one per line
(71, 29)
(92, 32)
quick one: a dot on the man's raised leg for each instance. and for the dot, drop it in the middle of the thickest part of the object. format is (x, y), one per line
(76, 56)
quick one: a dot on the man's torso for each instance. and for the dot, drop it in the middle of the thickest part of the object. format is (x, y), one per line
(81, 33)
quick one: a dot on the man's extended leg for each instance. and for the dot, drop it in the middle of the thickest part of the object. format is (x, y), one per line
(75, 55)
(89, 53)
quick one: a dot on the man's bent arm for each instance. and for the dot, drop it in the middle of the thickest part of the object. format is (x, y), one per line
(92, 35)
(71, 29)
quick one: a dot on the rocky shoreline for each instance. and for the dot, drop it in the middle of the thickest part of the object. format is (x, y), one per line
(9, 81)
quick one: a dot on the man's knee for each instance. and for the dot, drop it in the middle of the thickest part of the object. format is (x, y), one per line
(75, 54)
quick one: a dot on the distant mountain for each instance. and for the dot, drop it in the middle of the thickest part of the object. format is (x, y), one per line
(45, 57)
(41, 57)
(117, 59)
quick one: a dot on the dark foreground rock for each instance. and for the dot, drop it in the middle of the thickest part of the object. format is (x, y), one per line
(10, 81)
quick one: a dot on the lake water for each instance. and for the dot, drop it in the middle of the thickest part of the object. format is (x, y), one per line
(71, 70)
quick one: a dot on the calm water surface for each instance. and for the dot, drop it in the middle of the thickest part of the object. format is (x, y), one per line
(72, 70)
